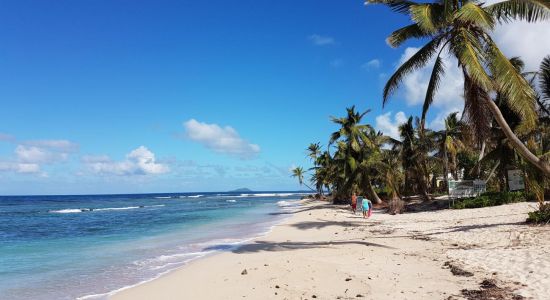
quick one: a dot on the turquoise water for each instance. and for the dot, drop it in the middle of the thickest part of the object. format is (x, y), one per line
(68, 247)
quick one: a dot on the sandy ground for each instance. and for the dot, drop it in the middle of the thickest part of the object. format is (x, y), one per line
(325, 252)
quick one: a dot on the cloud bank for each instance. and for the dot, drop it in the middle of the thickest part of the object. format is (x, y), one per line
(224, 140)
(140, 161)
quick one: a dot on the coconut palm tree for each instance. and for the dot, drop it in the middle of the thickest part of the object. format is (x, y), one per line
(298, 172)
(350, 139)
(461, 28)
(370, 162)
(314, 150)
(451, 140)
(391, 174)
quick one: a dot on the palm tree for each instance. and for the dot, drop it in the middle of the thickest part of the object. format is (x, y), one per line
(462, 28)
(351, 139)
(370, 161)
(391, 174)
(450, 142)
(413, 150)
(298, 172)
(314, 150)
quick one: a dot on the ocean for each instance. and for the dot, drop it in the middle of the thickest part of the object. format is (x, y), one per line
(88, 247)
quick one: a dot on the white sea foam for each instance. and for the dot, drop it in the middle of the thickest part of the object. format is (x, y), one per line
(163, 197)
(284, 203)
(66, 211)
(266, 195)
(231, 200)
(192, 196)
(116, 208)
(79, 210)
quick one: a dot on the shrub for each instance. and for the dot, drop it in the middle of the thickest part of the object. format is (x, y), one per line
(491, 199)
(541, 216)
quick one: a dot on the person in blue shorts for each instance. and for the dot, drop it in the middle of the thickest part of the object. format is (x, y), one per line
(366, 206)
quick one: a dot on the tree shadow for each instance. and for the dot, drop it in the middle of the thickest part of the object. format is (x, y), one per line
(259, 246)
(325, 223)
(447, 230)
(309, 208)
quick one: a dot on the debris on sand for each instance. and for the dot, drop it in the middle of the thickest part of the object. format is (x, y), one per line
(490, 291)
(457, 271)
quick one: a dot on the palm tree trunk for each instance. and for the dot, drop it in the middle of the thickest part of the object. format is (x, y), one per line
(516, 142)
(377, 199)
(446, 169)
(455, 166)
(481, 154)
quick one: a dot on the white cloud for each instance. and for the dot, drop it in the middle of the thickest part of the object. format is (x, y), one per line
(25, 168)
(140, 161)
(529, 41)
(371, 64)
(58, 145)
(320, 40)
(38, 155)
(222, 140)
(451, 87)
(388, 126)
(31, 155)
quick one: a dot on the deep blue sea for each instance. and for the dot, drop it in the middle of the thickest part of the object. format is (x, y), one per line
(69, 247)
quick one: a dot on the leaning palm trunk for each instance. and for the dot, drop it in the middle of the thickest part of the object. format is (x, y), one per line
(446, 169)
(481, 154)
(542, 165)
(374, 195)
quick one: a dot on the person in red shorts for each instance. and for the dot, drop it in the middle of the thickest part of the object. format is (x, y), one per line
(353, 202)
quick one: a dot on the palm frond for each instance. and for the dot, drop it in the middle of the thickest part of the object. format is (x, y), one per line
(437, 71)
(528, 10)
(400, 6)
(519, 95)
(472, 13)
(544, 77)
(469, 52)
(476, 111)
(428, 16)
(417, 61)
(401, 35)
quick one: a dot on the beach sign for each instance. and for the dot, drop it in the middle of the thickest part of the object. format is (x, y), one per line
(466, 188)
(515, 180)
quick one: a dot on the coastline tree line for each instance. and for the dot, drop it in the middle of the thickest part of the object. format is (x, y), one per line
(505, 123)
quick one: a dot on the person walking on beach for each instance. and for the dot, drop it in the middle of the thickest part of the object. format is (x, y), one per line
(353, 202)
(366, 206)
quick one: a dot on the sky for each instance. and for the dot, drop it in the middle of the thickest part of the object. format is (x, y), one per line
(185, 96)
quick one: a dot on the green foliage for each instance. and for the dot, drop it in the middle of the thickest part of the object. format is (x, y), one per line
(541, 216)
(492, 199)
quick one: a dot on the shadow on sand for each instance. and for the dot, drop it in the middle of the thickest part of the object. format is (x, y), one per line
(259, 246)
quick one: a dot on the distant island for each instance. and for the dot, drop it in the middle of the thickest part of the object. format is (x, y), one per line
(241, 190)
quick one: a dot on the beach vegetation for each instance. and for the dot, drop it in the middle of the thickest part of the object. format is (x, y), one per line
(541, 216)
(491, 199)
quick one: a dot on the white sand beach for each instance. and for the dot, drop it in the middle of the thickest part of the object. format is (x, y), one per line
(324, 252)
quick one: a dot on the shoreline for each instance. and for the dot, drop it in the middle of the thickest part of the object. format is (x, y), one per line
(285, 209)
(324, 251)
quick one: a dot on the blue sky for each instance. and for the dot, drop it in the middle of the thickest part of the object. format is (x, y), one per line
(180, 96)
